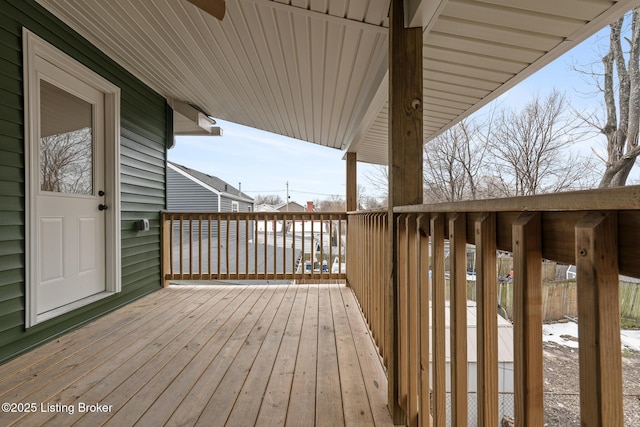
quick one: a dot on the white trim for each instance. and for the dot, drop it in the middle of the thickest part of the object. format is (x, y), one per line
(35, 47)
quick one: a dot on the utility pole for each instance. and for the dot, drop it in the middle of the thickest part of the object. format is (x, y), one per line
(287, 196)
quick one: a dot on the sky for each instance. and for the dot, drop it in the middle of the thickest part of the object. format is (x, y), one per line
(263, 163)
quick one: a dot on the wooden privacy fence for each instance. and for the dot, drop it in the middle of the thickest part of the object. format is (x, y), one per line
(598, 231)
(254, 245)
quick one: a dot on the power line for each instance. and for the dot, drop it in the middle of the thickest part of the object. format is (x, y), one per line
(290, 191)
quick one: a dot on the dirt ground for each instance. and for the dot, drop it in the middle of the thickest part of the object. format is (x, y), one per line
(561, 376)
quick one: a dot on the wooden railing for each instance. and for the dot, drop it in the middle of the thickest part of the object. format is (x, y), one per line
(368, 272)
(598, 231)
(254, 246)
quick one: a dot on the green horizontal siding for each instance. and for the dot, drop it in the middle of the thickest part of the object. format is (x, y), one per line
(144, 116)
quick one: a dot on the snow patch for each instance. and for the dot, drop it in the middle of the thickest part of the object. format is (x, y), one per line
(567, 334)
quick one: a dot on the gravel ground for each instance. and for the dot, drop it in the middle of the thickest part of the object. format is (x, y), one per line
(561, 377)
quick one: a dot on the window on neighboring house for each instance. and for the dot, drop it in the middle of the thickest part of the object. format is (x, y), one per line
(249, 208)
(235, 206)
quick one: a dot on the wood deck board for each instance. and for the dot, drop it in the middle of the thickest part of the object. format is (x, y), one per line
(273, 411)
(214, 355)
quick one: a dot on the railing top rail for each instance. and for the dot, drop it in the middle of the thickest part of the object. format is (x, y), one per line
(372, 211)
(257, 213)
(621, 198)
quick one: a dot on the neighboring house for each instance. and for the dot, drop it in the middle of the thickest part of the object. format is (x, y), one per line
(191, 191)
(290, 207)
(269, 226)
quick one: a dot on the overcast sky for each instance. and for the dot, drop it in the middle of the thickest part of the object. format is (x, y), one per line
(263, 162)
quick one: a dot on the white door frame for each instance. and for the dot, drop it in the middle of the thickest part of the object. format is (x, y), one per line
(34, 46)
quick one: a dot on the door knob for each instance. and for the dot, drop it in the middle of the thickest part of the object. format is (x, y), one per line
(102, 207)
(100, 193)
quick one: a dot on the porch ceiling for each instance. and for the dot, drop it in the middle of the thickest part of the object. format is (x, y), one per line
(316, 70)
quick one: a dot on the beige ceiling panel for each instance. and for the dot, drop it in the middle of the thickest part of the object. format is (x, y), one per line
(465, 70)
(469, 57)
(481, 47)
(315, 69)
(445, 103)
(463, 81)
(576, 9)
(480, 31)
(452, 89)
(509, 17)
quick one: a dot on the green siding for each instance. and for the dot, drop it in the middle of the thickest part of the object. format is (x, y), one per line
(144, 116)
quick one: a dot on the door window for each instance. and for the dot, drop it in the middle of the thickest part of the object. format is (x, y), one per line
(66, 142)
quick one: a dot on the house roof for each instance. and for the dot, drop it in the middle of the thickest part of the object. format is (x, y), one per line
(317, 71)
(214, 183)
(293, 206)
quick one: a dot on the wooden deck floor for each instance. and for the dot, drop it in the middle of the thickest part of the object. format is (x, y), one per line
(208, 355)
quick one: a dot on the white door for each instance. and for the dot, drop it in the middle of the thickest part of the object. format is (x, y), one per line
(69, 204)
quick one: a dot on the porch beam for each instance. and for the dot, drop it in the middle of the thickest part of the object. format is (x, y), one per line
(405, 162)
(352, 182)
(599, 320)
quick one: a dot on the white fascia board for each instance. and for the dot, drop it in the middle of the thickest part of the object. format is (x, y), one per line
(422, 13)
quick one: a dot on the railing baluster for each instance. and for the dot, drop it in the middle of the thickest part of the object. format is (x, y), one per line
(412, 320)
(218, 240)
(181, 247)
(527, 320)
(200, 246)
(487, 320)
(255, 248)
(599, 321)
(438, 319)
(236, 226)
(166, 248)
(190, 219)
(209, 246)
(226, 247)
(458, 319)
(403, 348)
(424, 386)
(284, 246)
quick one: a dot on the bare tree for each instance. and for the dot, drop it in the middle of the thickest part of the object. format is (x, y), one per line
(368, 202)
(379, 180)
(623, 119)
(530, 150)
(452, 163)
(334, 203)
(66, 162)
(268, 199)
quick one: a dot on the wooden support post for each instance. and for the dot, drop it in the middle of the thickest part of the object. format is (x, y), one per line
(352, 182)
(487, 319)
(458, 319)
(438, 321)
(599, 320)
(166, 249)
(405, 162)
(527, 319)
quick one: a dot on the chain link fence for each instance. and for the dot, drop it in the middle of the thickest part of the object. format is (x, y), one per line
(506, 407)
